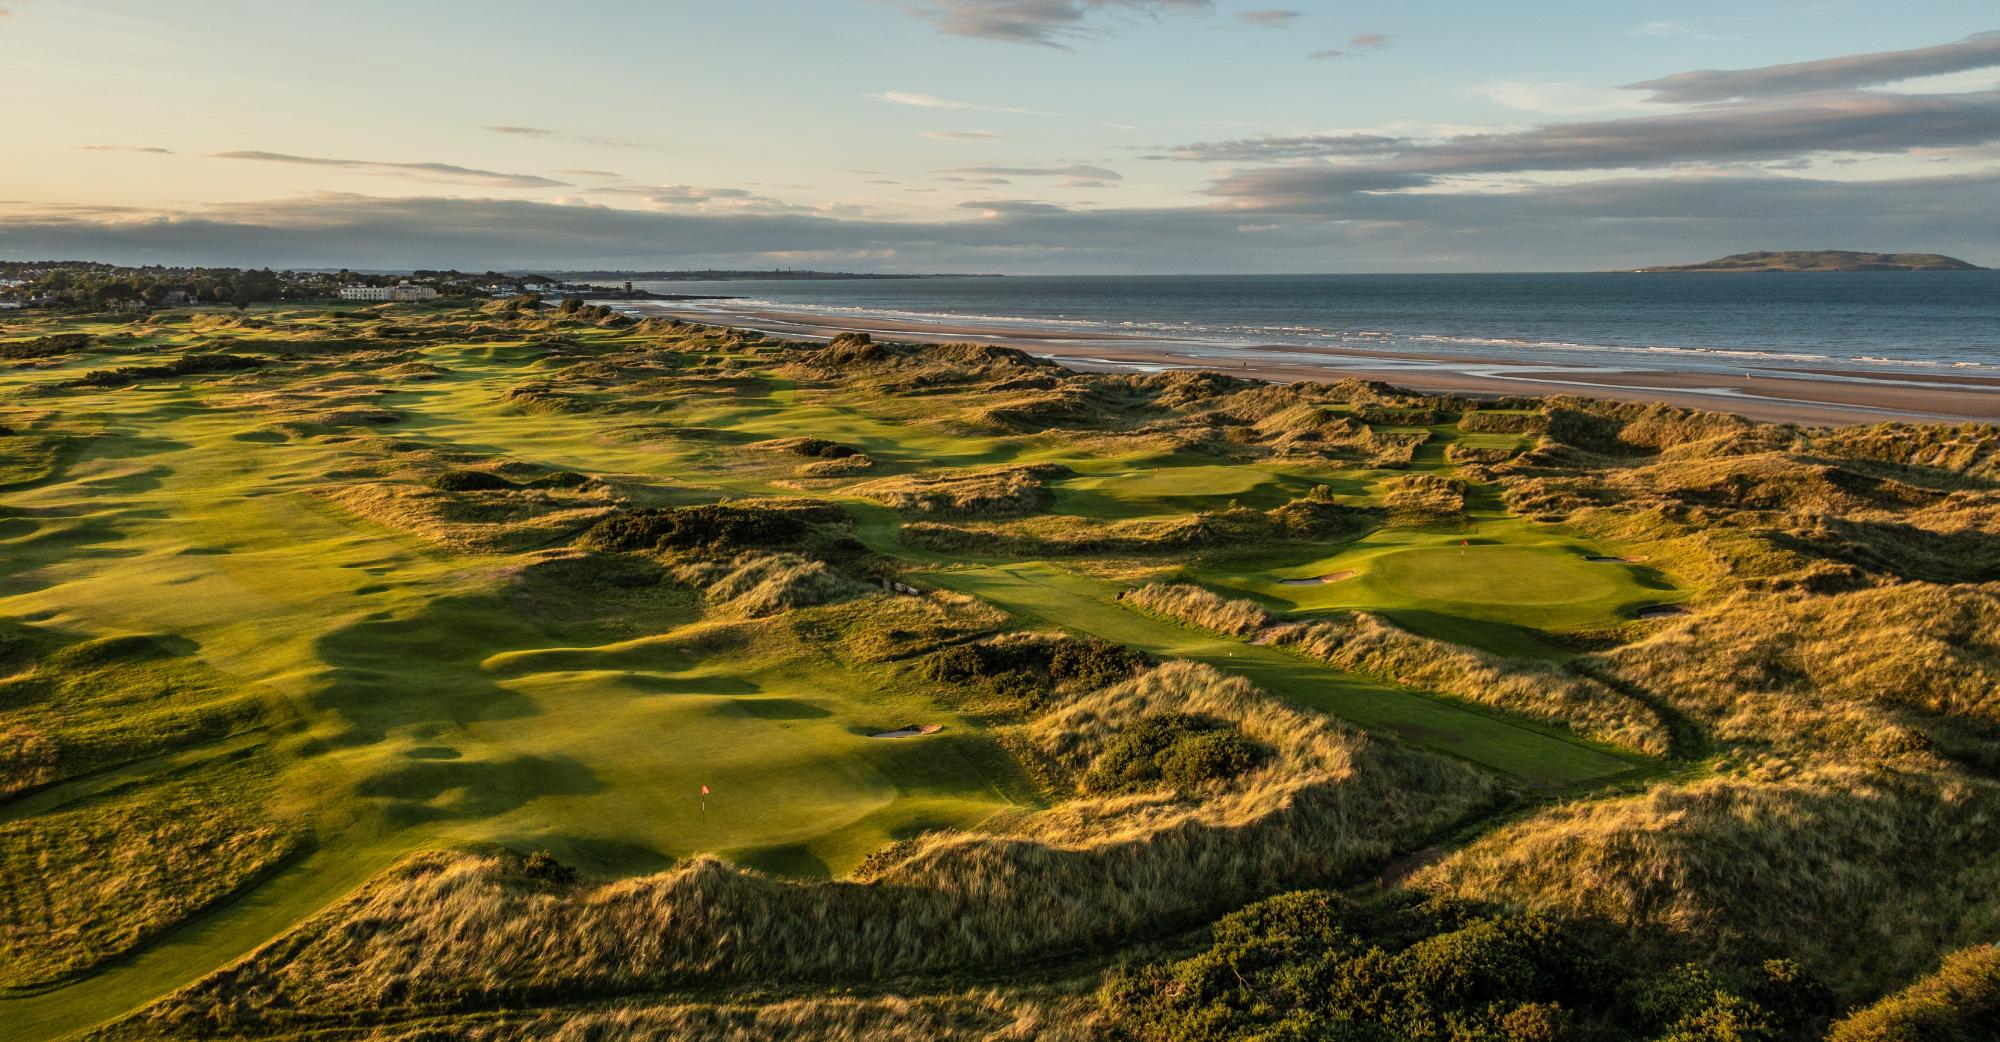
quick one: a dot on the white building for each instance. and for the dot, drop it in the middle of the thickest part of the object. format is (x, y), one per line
(402, 291)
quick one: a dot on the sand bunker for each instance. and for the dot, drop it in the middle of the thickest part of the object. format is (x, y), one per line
(911, 731)
(1320, 580)
(1661, 611)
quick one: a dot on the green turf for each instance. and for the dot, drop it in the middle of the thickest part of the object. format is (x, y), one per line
(1047, 595)
(412, 700)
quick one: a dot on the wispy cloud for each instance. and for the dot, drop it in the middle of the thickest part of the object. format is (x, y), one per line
(1272, 19)
(1623, 222)
(1073, 175)
(590, 173)
(1279, 149)
(1357, 45)
(931, 101)
(545, 132)
(1978, 51)
(1856, 122)
(149, 149)
(445, 172)
(1673, 30)
(962, 135)
(1044, 23)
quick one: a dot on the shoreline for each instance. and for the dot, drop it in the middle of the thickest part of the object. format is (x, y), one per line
(1813, 396)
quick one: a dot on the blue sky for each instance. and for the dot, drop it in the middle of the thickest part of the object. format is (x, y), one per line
(1010, 135)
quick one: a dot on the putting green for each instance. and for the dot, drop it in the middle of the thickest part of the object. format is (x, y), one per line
(1487, 574)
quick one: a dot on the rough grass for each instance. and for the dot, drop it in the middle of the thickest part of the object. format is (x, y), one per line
(1959, 1002)
(87, 882)
(67, 709)
(1000, 492)
(453, 673)
(1084, 875)
(1365, 643)
(1887, 869)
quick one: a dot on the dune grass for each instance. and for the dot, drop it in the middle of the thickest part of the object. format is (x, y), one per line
(461, 586)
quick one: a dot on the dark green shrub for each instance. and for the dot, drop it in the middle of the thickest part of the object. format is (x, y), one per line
(186, 365)
(1031, 668)
(45, 346)
(820, 448)
(1312, 965)
(560, 479)
(543, 867)
(1175, 750)
(470, 481)
(713, 527)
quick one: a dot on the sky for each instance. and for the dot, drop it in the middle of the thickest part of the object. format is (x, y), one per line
(1014, 136)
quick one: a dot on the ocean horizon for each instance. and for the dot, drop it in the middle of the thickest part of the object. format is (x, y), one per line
(1881, 321)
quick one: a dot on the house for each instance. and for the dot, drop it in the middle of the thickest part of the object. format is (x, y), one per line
(401, 291)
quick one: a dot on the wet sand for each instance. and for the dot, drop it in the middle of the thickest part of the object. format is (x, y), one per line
(1811, 396)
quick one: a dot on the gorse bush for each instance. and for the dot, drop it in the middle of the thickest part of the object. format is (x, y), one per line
(1177, 750)
(45, 346)
(1030, 668)
(470, 481)
(718, 526)
(1311, 965)
(186, 365)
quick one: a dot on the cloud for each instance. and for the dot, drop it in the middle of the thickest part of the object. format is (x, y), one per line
(1044, 23)
(1002, 207)
(962, 135)
(545, 132)
(1273, 19)
(697, 197)
(1978, 51)
(1277, 149)
(421, 171)
(932, 101)
(1073, 170)
(1074, 175)
(1567, 99)
(1357, 43)
(1673, 30)
(149, 149)
(590, 173)
(1623, 222)
(1849, 122)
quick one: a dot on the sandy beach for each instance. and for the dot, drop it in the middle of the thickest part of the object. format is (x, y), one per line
(1810, 396)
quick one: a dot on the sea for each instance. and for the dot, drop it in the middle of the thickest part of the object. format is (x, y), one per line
(1882, 321)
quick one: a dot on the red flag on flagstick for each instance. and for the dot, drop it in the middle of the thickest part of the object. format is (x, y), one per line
(704, 790)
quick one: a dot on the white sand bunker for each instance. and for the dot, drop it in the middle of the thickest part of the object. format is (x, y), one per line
(911, 731)
(1661, 611)
(1321, 580)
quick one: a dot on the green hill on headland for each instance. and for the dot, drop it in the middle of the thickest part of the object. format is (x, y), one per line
(1826, 260)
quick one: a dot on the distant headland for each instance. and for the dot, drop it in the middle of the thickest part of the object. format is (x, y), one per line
(1826, 260)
